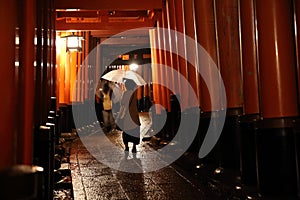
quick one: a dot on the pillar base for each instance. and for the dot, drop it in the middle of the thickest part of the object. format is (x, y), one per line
(226, 153)
(276, 158)
(22, 182)
(248, 124)
(230, 140)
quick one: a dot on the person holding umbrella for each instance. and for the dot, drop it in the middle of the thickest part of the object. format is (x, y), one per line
(131, 121)
(128, 117)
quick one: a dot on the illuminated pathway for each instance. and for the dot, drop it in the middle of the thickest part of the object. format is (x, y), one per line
(93, 180)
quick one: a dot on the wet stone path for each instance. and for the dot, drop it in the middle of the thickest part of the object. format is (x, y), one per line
(122, 178)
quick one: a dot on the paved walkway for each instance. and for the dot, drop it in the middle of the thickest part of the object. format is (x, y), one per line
(94, 180)
(100, 169)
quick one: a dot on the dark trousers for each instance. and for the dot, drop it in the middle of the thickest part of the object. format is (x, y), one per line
(132, 135)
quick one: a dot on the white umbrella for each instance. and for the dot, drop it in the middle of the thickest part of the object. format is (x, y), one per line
(117, 93)
(119, 74)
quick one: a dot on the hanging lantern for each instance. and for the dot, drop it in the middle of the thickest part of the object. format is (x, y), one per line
(73, 43)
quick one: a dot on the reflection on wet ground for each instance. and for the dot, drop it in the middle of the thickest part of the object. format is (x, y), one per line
(94, 180)
(102, 170)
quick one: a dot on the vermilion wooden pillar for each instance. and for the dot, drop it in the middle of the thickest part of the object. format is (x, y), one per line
(154, 61)
(78, 75)
(61, 65)
(161, 60)
(8, 13)
(51, 49)
(45, 100)
(146, 91)
(86, 68)
(228, 40)
(277, 59)
(170, 5)
(53, 52)
(26, 78)
(67, 78)
(168, 41)
(297, 38)
(165, 42)
(206, 37)
(249, 58)
(139, 93)
(190, 49)
(277, 171)
(251, 108)
(229, 51)
(297, 41)
(73, 71)
(180, 45)
(38, 114)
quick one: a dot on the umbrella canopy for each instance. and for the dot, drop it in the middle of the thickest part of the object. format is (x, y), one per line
(119, 74)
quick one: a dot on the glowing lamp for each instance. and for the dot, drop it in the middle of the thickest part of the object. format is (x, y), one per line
(73, 43)
(133, 67)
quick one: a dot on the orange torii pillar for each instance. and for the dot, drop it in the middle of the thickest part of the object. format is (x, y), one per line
(161, 56)
(165, 42)
(229, 53)
(73, 56)
(61, 63)
(230, 67)
(251, 91)
(163, 76)
(139, 92)
(206, 37)
(8, 13)
(155, 70)
(277, 166)
(170, 7)
(170, 42)
(67, 74)
(174, 97)
(156, 110)
(297, 37)
(179, 5)
(146, 91)
(78, 76)
(190, 49)
(86, 67)
(26, 101)
(53, 60)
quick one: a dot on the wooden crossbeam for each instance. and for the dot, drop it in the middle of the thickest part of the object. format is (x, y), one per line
(98, 13)
(62, 25)
(109, 4)
(123, 32)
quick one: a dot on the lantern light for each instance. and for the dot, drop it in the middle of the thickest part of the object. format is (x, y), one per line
(73, 43)
(133, 66)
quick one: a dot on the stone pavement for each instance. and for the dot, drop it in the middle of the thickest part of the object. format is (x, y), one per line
(93, 179)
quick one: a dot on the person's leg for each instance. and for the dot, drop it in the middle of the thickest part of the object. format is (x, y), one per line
(134, 148)
(125, 141)
(105, 120)
(126, 147)
(111, 120)
(135, 139)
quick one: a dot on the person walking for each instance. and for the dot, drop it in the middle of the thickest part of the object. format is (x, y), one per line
(108, 119)
(131, 121)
